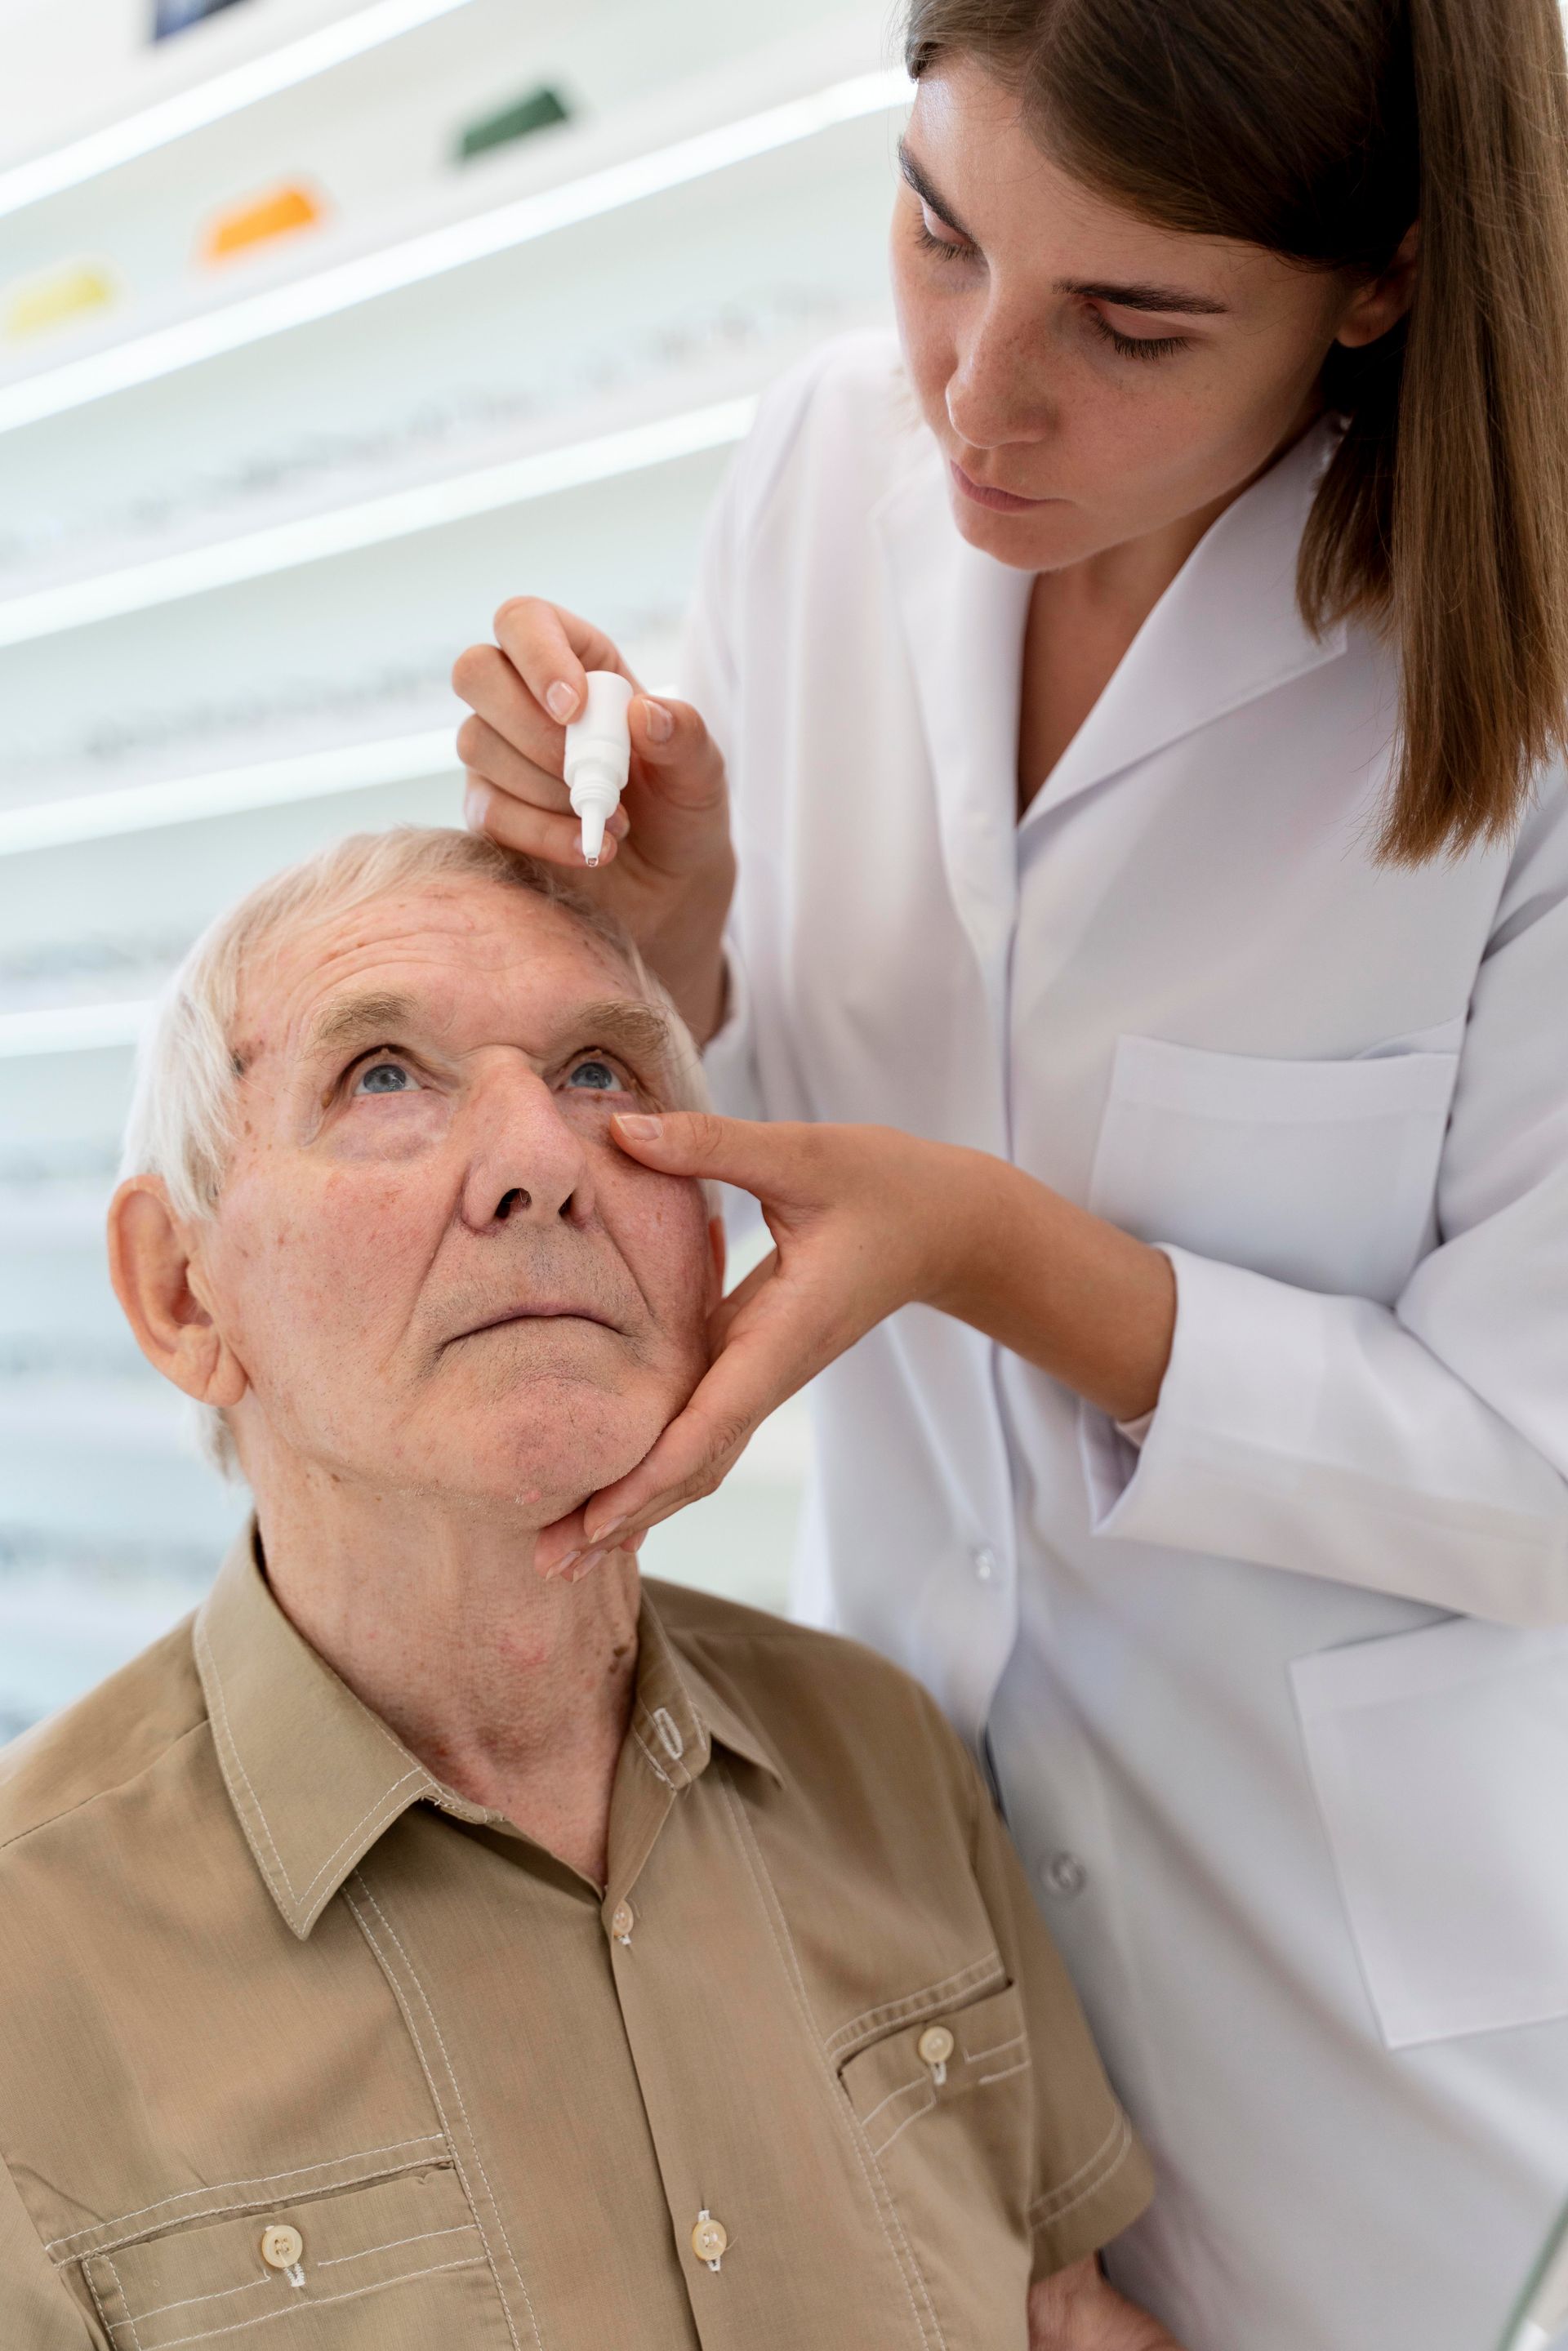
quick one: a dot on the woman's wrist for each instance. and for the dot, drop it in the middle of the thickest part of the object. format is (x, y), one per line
(685, 949)
(1069, 1291)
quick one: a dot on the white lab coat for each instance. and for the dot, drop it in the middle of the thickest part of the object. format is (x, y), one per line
(1278, 1707)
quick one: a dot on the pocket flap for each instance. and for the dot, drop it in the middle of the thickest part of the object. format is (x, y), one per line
(1439, 1758)
(896, 2079)
(211, 2278)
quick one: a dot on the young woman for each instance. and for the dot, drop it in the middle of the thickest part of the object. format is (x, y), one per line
(1142, 693)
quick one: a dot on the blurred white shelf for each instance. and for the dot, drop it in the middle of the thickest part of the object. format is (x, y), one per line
(214, 98)
(371, 522)
(72, 1028)
(304, 294)
(271, 783)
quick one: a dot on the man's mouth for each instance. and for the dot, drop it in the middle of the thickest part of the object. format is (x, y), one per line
(539, 1314)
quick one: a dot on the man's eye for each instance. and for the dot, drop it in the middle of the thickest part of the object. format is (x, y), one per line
(597, 1077)
(385, 1078)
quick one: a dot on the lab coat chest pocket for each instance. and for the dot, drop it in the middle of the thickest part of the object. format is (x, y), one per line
(1439, 1759)
(1322, 1173)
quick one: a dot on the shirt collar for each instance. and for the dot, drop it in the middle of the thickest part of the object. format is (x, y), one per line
(315, 1778)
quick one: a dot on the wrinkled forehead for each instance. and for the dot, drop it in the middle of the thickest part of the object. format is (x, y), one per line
(469, 961)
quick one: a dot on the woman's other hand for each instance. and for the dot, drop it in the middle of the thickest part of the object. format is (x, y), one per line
(668, 869)
(865, 1220)
(1078, 2310)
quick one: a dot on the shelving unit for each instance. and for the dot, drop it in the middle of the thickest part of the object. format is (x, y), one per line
(230, 592)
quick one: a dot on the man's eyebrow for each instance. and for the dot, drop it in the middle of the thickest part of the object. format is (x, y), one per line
(641, 1031)
(360, 1020)
(1145, 297)
(928, 195)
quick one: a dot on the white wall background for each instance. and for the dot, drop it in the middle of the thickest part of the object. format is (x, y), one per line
(187, 691)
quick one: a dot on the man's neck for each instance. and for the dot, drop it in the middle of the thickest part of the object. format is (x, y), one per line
(514, 1692)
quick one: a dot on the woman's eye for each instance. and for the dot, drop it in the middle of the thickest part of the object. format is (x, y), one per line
(1137, 347)
(385, 1078)
(596, 1077)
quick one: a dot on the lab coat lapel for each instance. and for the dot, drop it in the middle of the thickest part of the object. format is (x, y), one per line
(1227, 629)
(963, 614)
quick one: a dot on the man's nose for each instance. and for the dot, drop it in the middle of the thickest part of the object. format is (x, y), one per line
(526, 1162)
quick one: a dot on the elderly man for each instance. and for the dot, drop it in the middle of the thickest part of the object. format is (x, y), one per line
(411, 1951)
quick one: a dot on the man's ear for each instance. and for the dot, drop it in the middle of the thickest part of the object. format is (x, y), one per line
(720, 1253)
(153, 1266)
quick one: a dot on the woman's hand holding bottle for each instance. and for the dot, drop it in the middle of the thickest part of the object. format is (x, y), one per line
(668, 869)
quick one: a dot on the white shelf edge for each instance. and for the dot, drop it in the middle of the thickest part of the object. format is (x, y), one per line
(212, 99)
(313, 296)
(226, 792)
(372, 522)
(72, 1028)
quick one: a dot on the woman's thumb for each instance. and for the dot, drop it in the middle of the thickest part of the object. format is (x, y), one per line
(681, 756)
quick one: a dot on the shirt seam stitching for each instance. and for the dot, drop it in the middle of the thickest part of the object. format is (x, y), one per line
(1103, 2164)
(893, 2012)
(886, 2208)
(116, 1788)
(463, 2109)
(252, 2179)
(225, 1734)
(319, 2301)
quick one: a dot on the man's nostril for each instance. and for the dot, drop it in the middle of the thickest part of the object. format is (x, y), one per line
(515, 1198)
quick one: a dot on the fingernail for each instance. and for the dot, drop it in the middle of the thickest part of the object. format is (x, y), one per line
(590, 1560)
(638, 1126)
(601, 1535)
(560, 701)
(561, 1566)
(661, 725)
(476, 807)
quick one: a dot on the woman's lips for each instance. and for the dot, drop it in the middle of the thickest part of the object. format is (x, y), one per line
(1003, 501)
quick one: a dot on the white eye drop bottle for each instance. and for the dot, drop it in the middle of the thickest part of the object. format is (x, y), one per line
(599, 756)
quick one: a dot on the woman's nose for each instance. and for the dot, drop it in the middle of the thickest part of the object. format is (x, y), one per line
(998, 391)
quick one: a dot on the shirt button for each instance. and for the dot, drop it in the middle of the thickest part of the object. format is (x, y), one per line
(709, 2239)
(984, 1561)
(622, 1921)
(1065, 1874)
(281, 2247)
(934, 2045)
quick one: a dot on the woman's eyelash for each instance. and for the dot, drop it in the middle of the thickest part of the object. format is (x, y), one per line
(938, 245)
(1138, 346)
(1130, 347)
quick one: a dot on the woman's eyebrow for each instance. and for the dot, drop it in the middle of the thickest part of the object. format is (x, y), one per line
(926, 192)
(1145, 297)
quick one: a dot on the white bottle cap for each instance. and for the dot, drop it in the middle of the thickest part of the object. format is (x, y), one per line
(599, 756)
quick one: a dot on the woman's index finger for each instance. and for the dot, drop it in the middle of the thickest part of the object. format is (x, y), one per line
(548, 646)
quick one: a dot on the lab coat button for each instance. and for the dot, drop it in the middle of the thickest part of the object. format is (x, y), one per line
(985, 1563)
(281, 2247)
(1065, 1874)
(623, 1920)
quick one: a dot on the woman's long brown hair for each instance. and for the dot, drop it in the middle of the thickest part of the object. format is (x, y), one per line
(1322, 130)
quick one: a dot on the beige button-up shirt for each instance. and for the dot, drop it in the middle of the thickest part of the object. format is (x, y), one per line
(298, 2046)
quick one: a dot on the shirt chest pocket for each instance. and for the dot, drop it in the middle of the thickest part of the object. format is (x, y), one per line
(1321, 1174)
(946, 2108)
(391, 2263)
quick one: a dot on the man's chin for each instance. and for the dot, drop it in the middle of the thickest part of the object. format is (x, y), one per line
(546, 1453)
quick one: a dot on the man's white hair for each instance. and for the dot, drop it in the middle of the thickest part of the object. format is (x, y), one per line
(179, 1125)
